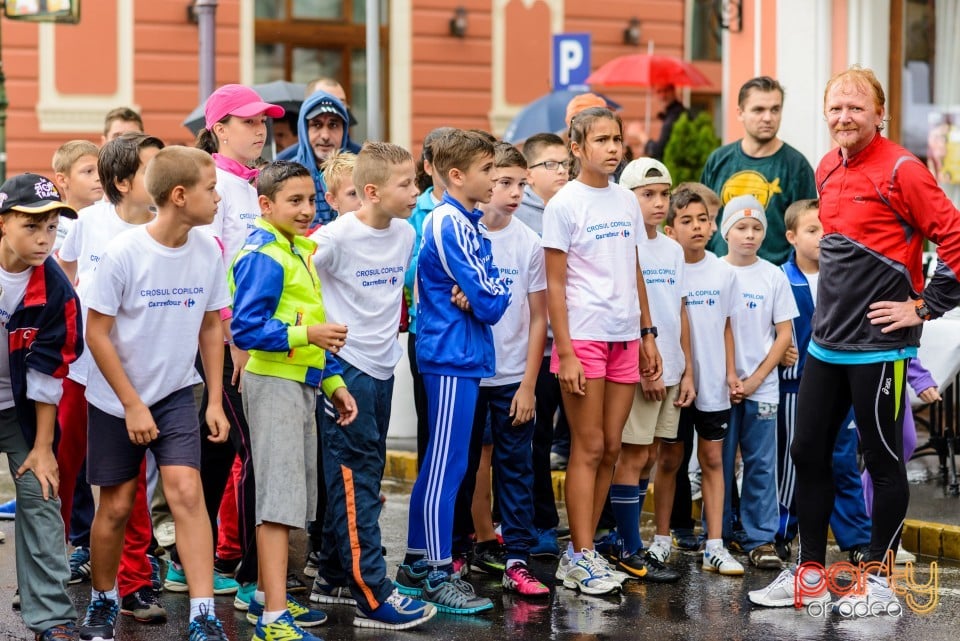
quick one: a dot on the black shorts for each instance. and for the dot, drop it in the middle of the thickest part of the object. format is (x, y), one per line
(113, 459)
(710, 426)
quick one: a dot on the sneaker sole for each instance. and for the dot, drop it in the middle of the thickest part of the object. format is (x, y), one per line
(571, 584)
(710, 568)
(152, 616)
(416, 593)
(784, 603)
(310, 571)
(81, 579)
(241, 605)
(373, 624)
(537, 594)
(171, 586)
(452, 610)
(332, 600)
(546, 554)
(220, 592)
(486, 569)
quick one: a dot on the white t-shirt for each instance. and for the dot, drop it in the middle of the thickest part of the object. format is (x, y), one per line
(710, 288)
(40, 387)
(598, 229)
(64, 226)
(236, 212)
(158, 296)
(813, 280)
(361, 270)
(88, 238)
(519, 257)
(661, 260)
(765, 299)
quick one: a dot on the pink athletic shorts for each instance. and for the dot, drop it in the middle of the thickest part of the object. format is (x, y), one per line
(616, 362)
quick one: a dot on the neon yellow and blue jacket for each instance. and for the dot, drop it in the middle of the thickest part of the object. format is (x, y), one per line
(276, 296)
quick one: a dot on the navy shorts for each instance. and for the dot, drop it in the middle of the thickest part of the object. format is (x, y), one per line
(112, 458)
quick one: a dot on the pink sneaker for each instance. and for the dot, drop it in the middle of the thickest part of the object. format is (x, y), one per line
(518, 578)
(460, 565)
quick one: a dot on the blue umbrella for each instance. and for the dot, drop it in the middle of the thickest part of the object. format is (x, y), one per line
(545, 114)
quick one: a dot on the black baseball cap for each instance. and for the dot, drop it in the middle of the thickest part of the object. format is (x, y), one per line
(32, 194)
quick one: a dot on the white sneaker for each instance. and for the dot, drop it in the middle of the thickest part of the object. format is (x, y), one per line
(660, 551)
(904, 556)
(589, 575)
(782, 591)
(878, 598)
(614, 573)
(564, 566)
(719, 560)
(166, 534)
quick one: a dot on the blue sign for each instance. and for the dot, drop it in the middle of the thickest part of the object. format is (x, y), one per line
(571, 61)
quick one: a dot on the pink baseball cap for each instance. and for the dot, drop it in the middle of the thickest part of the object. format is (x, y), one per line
(237, 100)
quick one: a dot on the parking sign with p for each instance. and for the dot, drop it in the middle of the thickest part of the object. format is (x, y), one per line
(571, 60)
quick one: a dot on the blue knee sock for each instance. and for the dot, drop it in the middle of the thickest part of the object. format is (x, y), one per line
(625, 501)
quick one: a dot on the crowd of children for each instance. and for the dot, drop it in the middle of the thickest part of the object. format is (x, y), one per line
(197, 336)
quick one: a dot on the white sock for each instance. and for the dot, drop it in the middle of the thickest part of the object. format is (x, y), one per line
(664, 539)
(260, 597)
(112, 594)
(205, 603)
(513, 562)
(570, 550)
(270, 617)
(714, 544)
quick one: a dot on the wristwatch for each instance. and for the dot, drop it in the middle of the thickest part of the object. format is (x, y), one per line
(920, 306)
(648, 330)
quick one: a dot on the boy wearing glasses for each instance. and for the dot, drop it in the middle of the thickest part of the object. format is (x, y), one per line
(323, 130)
(548, 165)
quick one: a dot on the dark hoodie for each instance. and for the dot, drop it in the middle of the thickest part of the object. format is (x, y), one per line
(304, 151)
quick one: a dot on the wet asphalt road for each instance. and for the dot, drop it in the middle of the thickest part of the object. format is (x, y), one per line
(700, 606)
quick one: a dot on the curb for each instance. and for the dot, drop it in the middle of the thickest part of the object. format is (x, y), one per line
(920, 537)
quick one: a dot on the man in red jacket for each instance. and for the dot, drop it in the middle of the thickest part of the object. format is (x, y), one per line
(877, 203)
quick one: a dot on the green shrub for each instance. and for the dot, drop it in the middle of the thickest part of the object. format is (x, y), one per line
(691, 142)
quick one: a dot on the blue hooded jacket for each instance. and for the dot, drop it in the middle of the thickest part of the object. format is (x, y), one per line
(304, 152)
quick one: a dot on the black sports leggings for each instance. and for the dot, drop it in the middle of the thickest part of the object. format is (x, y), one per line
(877, 393)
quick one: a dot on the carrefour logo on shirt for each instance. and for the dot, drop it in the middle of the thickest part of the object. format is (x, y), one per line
(706, 297)
(662, 276)
(368, 277)
(167, 296)
(619, 229)
(753, 300)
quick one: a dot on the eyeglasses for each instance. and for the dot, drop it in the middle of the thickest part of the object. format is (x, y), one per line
(552, 165)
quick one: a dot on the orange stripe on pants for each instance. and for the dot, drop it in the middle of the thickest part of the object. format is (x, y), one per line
(349, 499)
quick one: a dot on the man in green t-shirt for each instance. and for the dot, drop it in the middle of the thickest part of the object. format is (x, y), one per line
(761, 165)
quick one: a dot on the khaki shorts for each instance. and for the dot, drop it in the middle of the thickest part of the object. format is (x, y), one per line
(652, 419)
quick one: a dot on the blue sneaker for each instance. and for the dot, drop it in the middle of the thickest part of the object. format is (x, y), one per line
(410, 578)
(449, 593)
(176, 581)
(396, 613)
(283, 629)
(608, 544)
(155, 581)
(8, 510)
(546, 544)
(302, 616)
(244, 596)
(206, 627)
(330, 594)
(79, 565)
(98, 622)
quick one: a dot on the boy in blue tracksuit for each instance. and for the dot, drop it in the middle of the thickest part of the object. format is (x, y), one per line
(460, 298)
(323, 129)
(850, 523)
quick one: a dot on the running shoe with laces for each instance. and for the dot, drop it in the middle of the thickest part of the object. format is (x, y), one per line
(206, 627)
(176, 581)
(98, 622)
(660, 551)
(451, 594)
(461, 564)
(719, 560)
(518, 578)
(781, 592)
(563, 566)
(398, 612)
(878, 598)
(410, 578)
(589, 574)
(653, 571)
(489, 557)
(144, 606)
(859, 553)
(62, 632)
(613, 572)
(329, 594)
(686, 540)
(302, 616)
(244, 595)
(155, 581)
(283, 629)
(79, 565)
(765, 557)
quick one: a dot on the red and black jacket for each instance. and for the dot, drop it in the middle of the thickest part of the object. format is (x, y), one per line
(876, 208)
(45, 335)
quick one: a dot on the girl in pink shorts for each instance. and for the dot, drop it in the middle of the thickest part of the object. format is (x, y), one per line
(603, 332)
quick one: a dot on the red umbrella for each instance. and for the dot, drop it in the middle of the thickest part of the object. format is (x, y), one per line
(647, 70)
